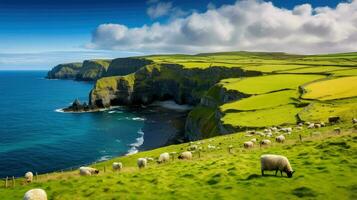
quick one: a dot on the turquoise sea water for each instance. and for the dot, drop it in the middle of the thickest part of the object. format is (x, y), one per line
(33, 137)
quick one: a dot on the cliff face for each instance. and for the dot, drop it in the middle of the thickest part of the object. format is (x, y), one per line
(172, 81)
(65, 71)
(91, 70)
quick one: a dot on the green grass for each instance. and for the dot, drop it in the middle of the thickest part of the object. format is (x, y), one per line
(265, 84)
(318, 69)
(320, 111)
(262, 118)
(332, 89)
(325, 166)
(346, 72)
(262, 101)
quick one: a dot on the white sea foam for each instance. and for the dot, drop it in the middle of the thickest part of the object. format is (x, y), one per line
(138, 119)
(59, 110)
(172, 105)
(104, 158)
(134, 146)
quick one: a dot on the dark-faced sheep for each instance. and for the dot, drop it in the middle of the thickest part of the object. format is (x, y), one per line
(276, 163)
(333, 119)
(35, 194)
(187, 155)
(248, 144)
(88, 171)
(117, 166)
(280, 139)
(265, 142)
(142, 162)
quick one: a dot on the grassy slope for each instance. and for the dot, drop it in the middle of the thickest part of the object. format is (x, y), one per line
(325, 166)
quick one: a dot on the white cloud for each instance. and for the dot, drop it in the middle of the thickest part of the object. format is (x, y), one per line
(160, 9)
(246, 25)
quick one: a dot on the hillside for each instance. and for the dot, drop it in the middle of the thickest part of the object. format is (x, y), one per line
(234, 91)
(325, 163)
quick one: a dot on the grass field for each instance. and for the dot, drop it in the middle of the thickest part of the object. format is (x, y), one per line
(325, 166)
(262, 101)
(265, 84)
(332, 89)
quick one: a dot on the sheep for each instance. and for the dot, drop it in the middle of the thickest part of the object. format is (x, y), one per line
(265, 142)
(300, 124)
(354, 120)
(29, 177)
(35, 194)
(260, 133)
(142, 162)
(322, 124)
(254, 140)
(337, 130)
(274, 129)
(269, 135)
(88, 171)
(164, 157)
(117, 166)
(311, 125)
(248, 144)
(187, 155)
(271, 162)
(280, 139)
(317, 125)
(287, 130)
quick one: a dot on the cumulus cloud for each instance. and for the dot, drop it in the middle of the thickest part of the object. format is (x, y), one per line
(160, 9)
(250, 25)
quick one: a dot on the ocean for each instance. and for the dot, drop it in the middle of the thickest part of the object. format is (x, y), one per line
(35, 137)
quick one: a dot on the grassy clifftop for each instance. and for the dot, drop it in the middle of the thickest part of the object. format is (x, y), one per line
(325, 164)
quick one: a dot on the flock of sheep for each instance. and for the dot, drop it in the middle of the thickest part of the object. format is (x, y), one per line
(269, 162)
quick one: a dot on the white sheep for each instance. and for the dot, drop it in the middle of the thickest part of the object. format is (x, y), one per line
(271, 162)
(311, 125)
(117, 166)
(29, 177)
(187, 155)
(274, 129)
(88, 171)
(254, 140)
(142, 162)
(317, 125)
(280, 139)
(164, 157)
(260, 133)
(248, 144)
(265, 142)
(35, 194)
(269, 134)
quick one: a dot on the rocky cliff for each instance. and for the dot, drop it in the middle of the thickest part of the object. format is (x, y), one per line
(91, 70)
(173, 81)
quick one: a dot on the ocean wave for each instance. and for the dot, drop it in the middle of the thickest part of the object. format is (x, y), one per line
(59, 110)
(172, 105)
(138, 119)
(134, 146)
(104, 158)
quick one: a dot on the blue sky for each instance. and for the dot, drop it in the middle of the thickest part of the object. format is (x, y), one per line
(61, 30)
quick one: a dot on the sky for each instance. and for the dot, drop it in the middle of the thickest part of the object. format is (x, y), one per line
(38, 34)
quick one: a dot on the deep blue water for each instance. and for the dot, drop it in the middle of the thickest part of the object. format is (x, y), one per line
(33, 137)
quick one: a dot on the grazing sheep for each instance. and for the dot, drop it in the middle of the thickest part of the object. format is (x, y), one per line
(311, 125)
(260, 133)
(274, 129)
(267, 130)
(117, 166)
(322, 124)
(287, 130)
(88, 171)
(164, 157)
(300, 124)
(333, 119)
(187, 155)
(142, 162)
(280, 139)
(35, 194)
(248, 144)
(317, 125)
(354, 120)
(29, 177)
(271, 162)
(265, 142)
(269, 135)
(250, 132)
(254, 140)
